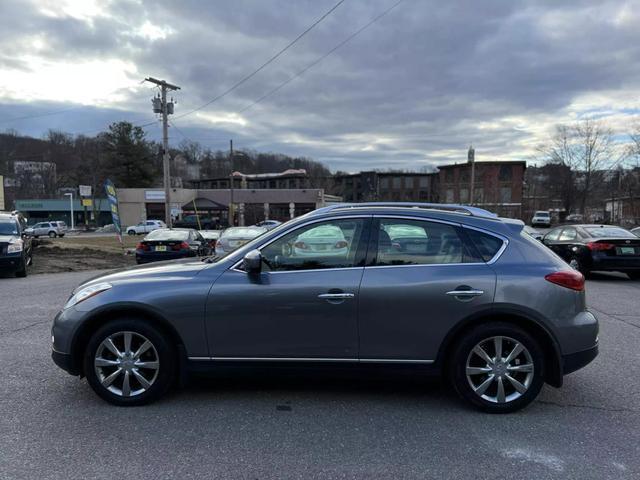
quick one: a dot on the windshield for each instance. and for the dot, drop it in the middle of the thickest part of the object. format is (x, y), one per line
(168, 235)
(9, 228)
(604, 232)
(542, 214)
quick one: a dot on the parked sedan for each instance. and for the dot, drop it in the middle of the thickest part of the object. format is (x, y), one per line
(235, 237)
(466, 305)
(169, 244)
(596, 247)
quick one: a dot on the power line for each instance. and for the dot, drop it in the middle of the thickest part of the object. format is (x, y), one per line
(37, 115)
(273, 58)
(320, 59)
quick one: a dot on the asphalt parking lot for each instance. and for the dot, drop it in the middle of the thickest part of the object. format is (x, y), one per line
(53, 426)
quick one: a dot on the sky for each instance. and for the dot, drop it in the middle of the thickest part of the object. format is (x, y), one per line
(411, 91)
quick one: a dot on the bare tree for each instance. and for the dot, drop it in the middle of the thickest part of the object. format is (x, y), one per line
(586, 147)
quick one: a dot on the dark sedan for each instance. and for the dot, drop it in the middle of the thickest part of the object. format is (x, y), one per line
(596, 247)
(169, 244)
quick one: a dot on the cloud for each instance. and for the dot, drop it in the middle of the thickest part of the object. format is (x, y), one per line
(414, 89)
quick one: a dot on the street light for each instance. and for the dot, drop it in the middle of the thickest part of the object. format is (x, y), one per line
(71, 208)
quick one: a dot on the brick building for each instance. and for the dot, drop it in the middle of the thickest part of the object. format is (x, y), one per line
(498, 185)
(385, 186)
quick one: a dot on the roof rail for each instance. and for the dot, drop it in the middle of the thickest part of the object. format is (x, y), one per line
(443, 207)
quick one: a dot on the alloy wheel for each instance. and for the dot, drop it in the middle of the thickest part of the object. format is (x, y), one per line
(499, 369)
(126, 363)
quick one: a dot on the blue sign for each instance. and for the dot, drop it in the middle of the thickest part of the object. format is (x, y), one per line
(112, 196)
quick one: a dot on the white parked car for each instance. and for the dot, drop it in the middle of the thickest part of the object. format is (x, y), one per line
(541, 218)
(145, 227)
(51, 229)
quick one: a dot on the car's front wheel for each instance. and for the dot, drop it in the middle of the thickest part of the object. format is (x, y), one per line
(498, 367)
(129, 362)
(52, 234)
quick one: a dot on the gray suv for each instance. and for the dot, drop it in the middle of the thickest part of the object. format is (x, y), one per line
(442, 289)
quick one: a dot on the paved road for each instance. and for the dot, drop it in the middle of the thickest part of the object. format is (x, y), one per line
(53, 426)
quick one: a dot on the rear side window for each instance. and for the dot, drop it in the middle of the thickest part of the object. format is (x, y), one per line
(486, 245)
(417, 242)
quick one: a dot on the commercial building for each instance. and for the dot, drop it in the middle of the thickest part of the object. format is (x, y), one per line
(251, 205)
(385, 187)
(497, 185)
(40, 210)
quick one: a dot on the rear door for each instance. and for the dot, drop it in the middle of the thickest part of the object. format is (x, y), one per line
(421, 279)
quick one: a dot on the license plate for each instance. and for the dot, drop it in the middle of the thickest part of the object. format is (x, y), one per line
(627, 250)
(161, 248)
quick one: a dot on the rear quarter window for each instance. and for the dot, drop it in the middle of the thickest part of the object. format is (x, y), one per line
(486, 245)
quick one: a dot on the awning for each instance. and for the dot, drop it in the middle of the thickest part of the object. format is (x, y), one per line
(204, 204)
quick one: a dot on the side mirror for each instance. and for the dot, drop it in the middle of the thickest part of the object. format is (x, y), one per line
(252, 261)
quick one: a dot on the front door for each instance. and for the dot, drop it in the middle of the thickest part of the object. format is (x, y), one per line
(304, 302)
(421, 280)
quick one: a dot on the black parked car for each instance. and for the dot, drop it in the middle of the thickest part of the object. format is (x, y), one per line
(15, 246)
(596, 247)
(169, 244)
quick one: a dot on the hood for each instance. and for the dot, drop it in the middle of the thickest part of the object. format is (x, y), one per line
(8, 238)
(186, 268)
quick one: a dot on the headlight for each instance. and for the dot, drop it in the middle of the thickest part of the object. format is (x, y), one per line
(15, 246)
(87, 292)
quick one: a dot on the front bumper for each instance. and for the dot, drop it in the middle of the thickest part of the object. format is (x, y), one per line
(578, 360)
(10, 263)
(66, 362)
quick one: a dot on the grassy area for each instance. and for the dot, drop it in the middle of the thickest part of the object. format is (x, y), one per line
(99, 243)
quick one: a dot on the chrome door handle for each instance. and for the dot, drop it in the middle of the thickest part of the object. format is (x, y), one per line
(336, 296)
(465, 293)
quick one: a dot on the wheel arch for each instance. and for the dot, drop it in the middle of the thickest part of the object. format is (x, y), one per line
(98, 318)
(524, 320)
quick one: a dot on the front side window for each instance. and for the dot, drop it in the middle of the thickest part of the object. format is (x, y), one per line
(330, 244)
(552, 235)
(417, 242)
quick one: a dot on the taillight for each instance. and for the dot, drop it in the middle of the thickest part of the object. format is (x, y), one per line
(181, 246)
(301, 245)
(142, 246)
(595, 246)
(567, 278)
(341, 244)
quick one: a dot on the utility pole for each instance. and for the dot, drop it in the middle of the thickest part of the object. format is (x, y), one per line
(471, 157)
(231, 209)
(161, 106)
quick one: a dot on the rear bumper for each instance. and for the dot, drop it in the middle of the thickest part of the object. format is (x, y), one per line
(578, 360)
(159, 257)
(618, 263)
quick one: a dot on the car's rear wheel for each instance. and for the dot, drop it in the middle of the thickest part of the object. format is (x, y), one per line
(579, 265)
(52, 234)
(131, 232)
(498, 367)
(129, 362)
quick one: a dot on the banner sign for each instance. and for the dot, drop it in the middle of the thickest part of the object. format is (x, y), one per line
(110, 189)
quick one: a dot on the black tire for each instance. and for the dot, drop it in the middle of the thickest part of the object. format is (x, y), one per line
(131, 232)
(462, 352)
(634, 275)
(22, 271)
(52, 235)
(578, 264)
(166, 356)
